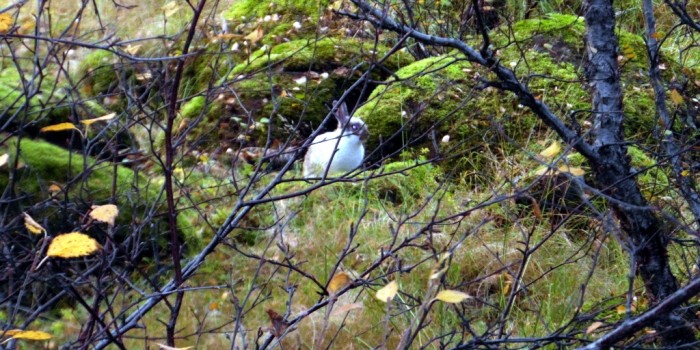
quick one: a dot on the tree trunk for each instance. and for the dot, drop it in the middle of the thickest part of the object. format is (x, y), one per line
(612, 170)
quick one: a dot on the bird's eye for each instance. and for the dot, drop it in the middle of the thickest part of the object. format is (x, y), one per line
(354, 127)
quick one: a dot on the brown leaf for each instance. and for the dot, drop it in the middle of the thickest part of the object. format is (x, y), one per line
(346, 308)
(255, 35)
(593, 327)
(279, 325)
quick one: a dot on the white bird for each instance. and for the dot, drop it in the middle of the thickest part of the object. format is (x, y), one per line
(338, 151)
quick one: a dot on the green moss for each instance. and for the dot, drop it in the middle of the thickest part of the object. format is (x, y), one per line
(552, 28)
(570, 28)
(47, 107)
(98, 72)
(324, 54)
(444, 87)
(254, 8)
(84, 182)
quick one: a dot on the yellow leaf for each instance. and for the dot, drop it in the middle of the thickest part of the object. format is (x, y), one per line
(104, 213)
(6, 22)
(452, 296)
(255, 35)
(676, 97)
(28, 335)
(541, 171)
(388, 292)
(685, 173)
(552, 151)
(338, 282)
(593, 327)
(576, 171)
(3, 159)
(32, 226)
(72, 245)
(170, 8)
(58, 127)
(11, 332)
(53, 188)
(132, 49)
(437, 274)
(104, 117)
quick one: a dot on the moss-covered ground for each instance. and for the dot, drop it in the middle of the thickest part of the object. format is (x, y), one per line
(399, 215)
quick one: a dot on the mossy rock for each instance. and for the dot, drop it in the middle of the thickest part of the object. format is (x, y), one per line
(652, 179)
(72, 183)
(48, 106)
(436, 96)
(445, 89)
(275, 19)
(292, 101)
(98, 71)
(320, 55)
(562, 38)
(250, 9)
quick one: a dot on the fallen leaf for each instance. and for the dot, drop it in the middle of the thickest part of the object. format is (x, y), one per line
(104, 213)
(541, 171)
(255, 35)
(388, 292)
(279, 325)
(452, 296)
(58, 127)
(104, 117)
(552, 151)
(53, 188)
(32, 226)
(593, 327)
(6, 22)
(676, 97)
(170, 8)
(346, 308)
(72, 245)
(338, 282)
(28, 335)
(132, 49)
(576, 171)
